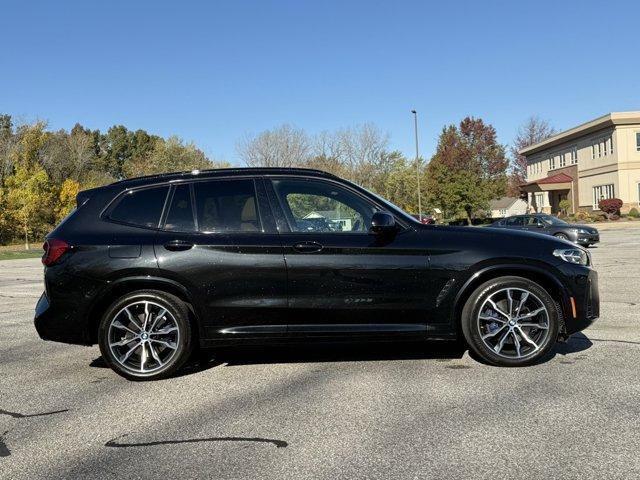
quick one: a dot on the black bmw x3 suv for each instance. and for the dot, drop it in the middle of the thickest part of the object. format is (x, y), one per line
(154, 268)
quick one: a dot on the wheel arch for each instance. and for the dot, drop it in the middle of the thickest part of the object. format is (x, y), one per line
(534, 273)
(122, 286)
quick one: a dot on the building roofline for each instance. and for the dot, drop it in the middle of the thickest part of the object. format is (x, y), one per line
(608, 120)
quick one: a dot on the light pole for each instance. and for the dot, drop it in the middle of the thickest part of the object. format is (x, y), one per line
(415, 125)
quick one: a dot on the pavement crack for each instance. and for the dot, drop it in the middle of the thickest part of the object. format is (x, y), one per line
(23, 415)
(115, 444)
(4, 450)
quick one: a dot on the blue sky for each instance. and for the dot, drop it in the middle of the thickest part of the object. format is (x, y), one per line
(212, 72)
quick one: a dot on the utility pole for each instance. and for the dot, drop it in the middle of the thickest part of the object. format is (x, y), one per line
(415, 125)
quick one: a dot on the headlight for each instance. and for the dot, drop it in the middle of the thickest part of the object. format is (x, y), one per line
(583, 231)
(572, 255)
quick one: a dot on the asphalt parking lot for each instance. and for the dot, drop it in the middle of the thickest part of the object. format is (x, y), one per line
(380, 411)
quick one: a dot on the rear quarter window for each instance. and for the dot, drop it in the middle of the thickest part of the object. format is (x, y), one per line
(140, 207)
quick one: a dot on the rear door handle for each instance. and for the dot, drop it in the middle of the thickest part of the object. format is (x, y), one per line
(307, 247)
(178, 245)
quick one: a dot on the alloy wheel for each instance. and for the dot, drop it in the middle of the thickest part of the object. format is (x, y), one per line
(143, 337)
(513, 323)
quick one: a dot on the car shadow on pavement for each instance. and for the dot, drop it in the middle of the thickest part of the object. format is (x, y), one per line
(334, 352)
(576, 344)
(441, 351)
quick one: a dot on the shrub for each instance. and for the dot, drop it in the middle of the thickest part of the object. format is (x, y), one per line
(633, 213)
(565, 205)
(583, 216)
(611, 207)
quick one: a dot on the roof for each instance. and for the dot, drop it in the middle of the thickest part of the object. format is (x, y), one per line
(217, 172)
(502, 203)
(557, 178)
(600, 123)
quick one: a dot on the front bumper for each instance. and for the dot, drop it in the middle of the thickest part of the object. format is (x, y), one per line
(588, 238)
(586, 298)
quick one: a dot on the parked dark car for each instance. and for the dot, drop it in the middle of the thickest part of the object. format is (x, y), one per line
(155, 267)
(550, 225)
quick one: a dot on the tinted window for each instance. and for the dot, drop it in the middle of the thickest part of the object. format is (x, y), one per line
(533, 222)
(226, 206)
(180, 216)
(141, 207)
(316, 206)
(514, 222)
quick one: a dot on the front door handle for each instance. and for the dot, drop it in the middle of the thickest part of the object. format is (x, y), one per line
(307, 247)
(178, 245)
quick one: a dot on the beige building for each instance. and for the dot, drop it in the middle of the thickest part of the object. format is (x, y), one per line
(507, 206)
(596, 160)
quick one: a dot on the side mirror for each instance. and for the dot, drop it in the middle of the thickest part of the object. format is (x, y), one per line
(382, 222)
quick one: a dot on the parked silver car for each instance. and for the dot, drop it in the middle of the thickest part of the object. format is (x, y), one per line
(543, 223)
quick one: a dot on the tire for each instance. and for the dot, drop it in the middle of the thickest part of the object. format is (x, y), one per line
(140, 342)
(485, 327)
(561, 236)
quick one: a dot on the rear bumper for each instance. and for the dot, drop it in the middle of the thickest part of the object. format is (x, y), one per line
(62, 312)
(58, 325)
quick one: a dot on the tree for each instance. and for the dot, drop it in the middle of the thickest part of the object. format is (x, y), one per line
(29, 199)
(285, 146)
(534, 130)
(468, 169)
(66, 199)
(169, 156)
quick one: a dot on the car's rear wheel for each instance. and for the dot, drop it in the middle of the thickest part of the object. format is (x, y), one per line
(146, 335)
(561, 236)
(510, 321)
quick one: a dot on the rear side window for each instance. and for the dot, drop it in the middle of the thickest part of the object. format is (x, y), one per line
(140, 207)
(226, 206)
(180, 216)
(514, 222)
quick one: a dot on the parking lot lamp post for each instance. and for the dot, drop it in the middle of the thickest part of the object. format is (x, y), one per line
(415, 125)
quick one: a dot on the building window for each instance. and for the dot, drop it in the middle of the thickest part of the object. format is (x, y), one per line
(574, 155)
(610, 145)
(638, 141)
(593, 152)
(540, 200)
(552, 162)
(563, 161)
(602, 192)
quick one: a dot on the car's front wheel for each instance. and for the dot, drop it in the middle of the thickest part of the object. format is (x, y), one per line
(146, 335)
(510, 321)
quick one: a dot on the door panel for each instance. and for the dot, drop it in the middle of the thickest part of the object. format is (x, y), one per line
(235, 268)
(340, 277)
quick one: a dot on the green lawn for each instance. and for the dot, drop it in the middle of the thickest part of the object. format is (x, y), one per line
(16, 254)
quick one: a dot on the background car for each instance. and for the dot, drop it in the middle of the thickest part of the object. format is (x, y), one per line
(550, 225)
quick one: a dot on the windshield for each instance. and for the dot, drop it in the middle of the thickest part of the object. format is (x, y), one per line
(551, 220)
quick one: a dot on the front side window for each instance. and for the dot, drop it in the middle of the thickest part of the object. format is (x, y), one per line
(224, 206)
(318, 206)
(140, 207)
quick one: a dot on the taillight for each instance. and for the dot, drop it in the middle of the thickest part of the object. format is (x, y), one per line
(53, 250)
